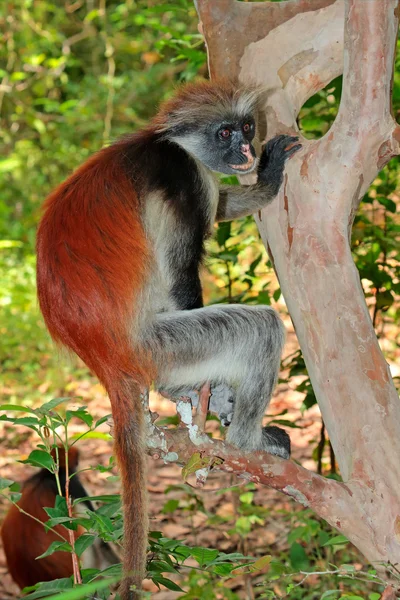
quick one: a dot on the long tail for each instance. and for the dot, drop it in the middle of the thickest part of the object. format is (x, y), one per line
(93, 263)
(130, 450)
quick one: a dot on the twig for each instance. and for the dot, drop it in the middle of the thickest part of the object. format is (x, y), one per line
(21, 510)
(75, 561)
(109, 54)
(320, 448)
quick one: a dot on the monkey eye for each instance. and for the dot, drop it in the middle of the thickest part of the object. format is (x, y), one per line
(247, 127)
(225, 133)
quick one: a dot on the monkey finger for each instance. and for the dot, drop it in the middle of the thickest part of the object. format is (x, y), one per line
(292, 150)
(273, 142)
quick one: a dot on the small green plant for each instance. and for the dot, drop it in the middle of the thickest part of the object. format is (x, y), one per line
(167, 556)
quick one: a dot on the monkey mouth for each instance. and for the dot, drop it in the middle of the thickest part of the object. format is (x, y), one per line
(249, 166)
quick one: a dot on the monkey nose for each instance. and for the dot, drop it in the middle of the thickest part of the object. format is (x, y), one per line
(245, 149)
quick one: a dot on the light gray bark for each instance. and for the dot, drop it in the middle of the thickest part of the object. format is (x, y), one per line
(294, 49)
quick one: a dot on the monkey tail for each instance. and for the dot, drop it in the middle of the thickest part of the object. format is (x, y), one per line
(129, 443)
(93, 262)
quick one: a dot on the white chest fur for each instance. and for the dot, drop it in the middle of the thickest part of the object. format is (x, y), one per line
(211, 191)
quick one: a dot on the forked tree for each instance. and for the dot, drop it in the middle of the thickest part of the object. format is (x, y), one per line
(294, 49)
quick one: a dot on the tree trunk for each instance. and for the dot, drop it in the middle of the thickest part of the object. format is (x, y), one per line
(295, 48)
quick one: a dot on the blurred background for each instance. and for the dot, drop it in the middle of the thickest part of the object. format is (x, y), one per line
(74, 76)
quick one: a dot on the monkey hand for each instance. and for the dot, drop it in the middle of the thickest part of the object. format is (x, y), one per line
(221, 403)
(272, 161)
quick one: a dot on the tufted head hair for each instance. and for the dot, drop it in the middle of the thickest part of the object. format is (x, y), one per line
(199, 103)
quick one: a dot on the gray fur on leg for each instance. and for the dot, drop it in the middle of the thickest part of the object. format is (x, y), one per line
(236, 346)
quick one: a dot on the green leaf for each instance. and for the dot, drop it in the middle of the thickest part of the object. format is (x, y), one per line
(298, 557)
(203, 555)
(65, 521)
(243, 525)
(47, 407)
(83, 542)
(32, 422)
(5, 483)
(106, 498)
(54, 587)
(347, 568)
(158, 566)
(9, 164)
(298, 533)
(39, 125)
(92, 435)
(247, 497)
(223, 569)
(170, 506)
(338, 539)
(388, 204)
(10, 244)
(56, 547)
(264, 298)
(277, 294)
(48, 588)
(40, 458)
(81, 414)
(167, 583)
(223, 232)
(384, 300)
(16, 408)
(18, 76)
(102, 420)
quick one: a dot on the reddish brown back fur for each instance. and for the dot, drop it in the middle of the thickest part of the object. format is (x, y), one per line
(92, 264)
(24, 539)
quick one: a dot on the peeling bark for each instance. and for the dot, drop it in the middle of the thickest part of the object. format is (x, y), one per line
(294, 49)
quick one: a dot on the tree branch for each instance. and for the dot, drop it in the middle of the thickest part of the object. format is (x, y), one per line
(370, 36)
(326, 496)
(365, 129)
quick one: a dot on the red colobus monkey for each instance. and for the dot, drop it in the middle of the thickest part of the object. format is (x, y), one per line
(24, 538)
(119, 249)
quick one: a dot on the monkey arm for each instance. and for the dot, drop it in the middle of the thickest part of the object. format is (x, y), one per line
(239, 201)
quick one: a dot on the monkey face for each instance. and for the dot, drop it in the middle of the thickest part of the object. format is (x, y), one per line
(234, 152)
(224, 146)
